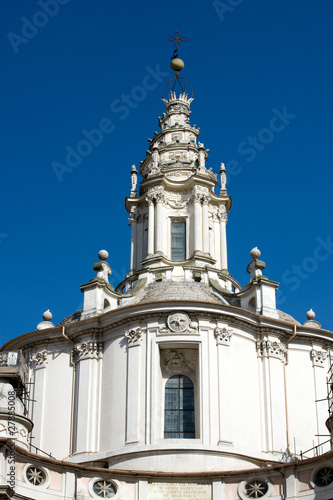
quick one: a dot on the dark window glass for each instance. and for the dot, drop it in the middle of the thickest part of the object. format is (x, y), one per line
(178, 237)
(179, 408)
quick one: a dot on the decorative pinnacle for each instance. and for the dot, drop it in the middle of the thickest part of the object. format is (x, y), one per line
(310, 315)
(47, 315)
(177, 65)
(103, 255)
(255, 253)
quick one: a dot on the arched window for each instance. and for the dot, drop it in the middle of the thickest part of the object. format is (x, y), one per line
(179, 421)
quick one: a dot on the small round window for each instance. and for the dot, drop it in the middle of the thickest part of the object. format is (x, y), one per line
(256, 489)
(104, 489)
(35, 475)
(323, 477)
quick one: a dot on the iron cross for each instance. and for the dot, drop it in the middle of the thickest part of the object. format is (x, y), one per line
(177, 39)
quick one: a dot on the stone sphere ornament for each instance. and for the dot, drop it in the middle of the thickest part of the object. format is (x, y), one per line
(103, 255)
(177, 65)
(255, 253)
(47, 315)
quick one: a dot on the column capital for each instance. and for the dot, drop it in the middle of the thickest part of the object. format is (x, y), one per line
(271, 349)
(318, 358)
(223, 217)
(39, 359)
(223, 335)
(134, 336)
(205, 198)
(159, 197)
(150, 199)
(88, 350)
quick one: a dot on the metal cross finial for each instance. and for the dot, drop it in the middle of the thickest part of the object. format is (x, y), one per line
(177, 39)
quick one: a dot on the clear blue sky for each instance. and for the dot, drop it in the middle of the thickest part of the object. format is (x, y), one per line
(248, 62)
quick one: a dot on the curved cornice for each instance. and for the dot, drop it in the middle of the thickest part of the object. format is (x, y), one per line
(97, 326)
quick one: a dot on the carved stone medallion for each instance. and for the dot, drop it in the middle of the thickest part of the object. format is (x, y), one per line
(178, 322)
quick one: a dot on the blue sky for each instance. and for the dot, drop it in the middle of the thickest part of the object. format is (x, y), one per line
(262, 78)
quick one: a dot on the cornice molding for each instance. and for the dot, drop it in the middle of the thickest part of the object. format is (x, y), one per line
(97, 327)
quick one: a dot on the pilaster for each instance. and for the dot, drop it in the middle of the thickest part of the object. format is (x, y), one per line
(223, 339)
(87, 357)
(38, 362)
(135, 387)
(272, 354)
(319, 363)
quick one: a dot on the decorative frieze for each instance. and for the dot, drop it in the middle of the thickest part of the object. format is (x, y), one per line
(88, 350)
(223, 335)
(270, 348)
(179, 360)
(134, 336)
(318, 358)
(39, 360)
(177, 204)
(176, 136)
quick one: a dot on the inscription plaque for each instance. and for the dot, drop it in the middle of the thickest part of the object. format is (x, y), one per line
(180, 491)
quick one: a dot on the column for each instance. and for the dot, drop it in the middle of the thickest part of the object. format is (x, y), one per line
(139, 241)
(223, 231)
(205, 225)
(197, 227)
(133, 223)
(135, 389)
(159, 223)
(151, 224)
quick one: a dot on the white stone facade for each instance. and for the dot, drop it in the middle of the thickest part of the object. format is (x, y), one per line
(98, 382)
